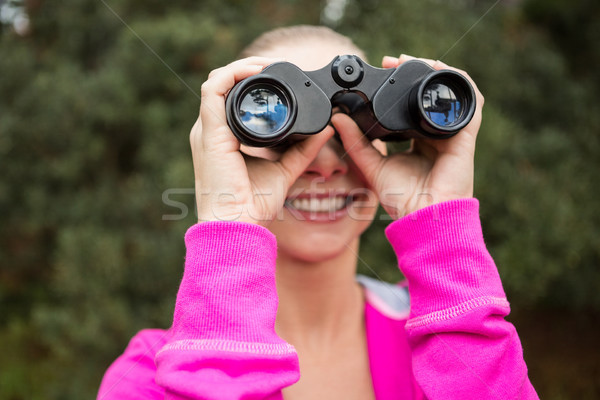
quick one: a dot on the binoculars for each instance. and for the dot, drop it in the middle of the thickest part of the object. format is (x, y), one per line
(283, 103)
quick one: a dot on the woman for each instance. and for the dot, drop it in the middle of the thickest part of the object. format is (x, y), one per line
(269, 305)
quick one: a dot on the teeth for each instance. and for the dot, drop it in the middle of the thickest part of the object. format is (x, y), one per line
(327, 204)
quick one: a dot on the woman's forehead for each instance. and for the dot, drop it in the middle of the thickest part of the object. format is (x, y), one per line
(309, 55)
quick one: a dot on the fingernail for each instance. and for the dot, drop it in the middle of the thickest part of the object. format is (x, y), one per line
(389, 59)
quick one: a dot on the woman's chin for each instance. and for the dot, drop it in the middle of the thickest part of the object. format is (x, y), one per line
(316, 243)
(312, 253)
(319, 238)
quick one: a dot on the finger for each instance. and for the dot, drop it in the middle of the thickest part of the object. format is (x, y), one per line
(432, 63)
(358, 146)
(240, 64)
(221, 81)
(472, 129)
(389, 62)
(212, 108)
(462, 144)
(297, 158)
(441, 65)
(196, 143)
(436, 64)
(265, 153)
(264, 61)
(427, 61)
(404, 58)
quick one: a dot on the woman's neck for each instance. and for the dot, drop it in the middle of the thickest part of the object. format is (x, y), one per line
(319, 303)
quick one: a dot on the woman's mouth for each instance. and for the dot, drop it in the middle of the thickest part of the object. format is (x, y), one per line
(318, 207)
(326, 204)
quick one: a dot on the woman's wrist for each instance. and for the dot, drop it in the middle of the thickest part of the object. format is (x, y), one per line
(419, 202)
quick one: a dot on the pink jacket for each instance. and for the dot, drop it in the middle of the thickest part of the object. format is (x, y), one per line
(452, 343)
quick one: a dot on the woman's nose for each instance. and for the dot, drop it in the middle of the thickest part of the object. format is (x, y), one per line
(330, 161)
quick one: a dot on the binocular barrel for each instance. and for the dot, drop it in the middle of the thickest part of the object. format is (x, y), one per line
(283, 103)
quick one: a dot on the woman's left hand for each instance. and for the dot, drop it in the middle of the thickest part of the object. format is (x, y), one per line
(431, 172)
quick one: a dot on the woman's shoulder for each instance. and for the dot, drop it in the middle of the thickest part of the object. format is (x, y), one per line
(390, 299)
(146, 343)
(134, 371)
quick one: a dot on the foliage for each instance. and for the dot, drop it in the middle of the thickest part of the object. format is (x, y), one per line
(96, 103)
(538, 147)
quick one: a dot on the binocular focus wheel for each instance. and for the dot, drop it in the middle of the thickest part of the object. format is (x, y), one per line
(347, 71)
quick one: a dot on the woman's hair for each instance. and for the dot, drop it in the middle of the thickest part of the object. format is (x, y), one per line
(296, 35)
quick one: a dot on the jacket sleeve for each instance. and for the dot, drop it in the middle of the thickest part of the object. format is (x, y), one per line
(223, 344)
(462, 346)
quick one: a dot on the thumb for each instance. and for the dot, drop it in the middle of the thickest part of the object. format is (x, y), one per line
(296, 159)
(356, 144)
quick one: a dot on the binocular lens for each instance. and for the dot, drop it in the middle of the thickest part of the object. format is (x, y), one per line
(441, 103)
(263, 110)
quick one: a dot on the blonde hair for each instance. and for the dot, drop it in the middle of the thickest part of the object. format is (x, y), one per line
(296, 35)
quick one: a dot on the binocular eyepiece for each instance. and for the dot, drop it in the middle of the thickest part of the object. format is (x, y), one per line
(283, 103)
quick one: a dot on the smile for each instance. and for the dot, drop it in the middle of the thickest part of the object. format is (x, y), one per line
(320, 205)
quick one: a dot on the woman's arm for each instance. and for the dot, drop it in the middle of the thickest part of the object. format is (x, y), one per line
(223, 343)
(462, 346)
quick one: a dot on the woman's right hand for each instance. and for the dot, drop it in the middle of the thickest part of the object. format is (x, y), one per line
(230, 185)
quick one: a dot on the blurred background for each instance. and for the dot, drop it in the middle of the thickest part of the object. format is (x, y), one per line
(97, 98)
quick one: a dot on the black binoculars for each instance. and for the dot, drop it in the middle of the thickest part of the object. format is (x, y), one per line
(282, 103)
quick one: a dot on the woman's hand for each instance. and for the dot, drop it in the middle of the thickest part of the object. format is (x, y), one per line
(231, 185)
(432, 171)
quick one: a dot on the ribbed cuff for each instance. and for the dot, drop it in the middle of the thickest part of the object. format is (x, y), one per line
(228, 288)
(441, 252)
